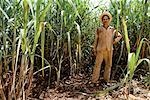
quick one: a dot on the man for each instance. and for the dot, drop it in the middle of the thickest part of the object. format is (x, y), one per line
(105, 37)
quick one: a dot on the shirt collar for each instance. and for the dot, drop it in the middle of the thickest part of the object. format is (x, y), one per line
(106, 28)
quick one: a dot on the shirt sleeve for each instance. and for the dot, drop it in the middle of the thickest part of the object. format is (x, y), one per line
(96, 39)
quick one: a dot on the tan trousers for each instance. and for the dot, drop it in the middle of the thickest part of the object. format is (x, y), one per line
(107, 57)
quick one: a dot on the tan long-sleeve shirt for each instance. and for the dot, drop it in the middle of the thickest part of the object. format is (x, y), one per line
(104, 38)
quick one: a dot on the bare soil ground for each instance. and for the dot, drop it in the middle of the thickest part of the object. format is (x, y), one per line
(79, 87)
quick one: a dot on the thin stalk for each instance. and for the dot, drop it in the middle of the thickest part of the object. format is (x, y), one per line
(70, 56)
(117, 18)
(2, 95)
(14, 46)
(57, 48)
(21, 76)
(0, 65)
(23, 45)
(16, 64)
(4, 50)
(59, 69)
(14, 39)
(79, 44)
(42, 48)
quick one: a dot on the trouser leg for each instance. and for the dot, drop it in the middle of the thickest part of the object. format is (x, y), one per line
(97, 67)
(108, 65)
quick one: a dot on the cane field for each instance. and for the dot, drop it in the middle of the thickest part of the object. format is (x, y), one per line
(46, 50)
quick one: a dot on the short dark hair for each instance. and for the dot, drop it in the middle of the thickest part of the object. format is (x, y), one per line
(104, 16)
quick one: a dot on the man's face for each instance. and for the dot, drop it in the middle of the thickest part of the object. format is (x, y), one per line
(105, 20)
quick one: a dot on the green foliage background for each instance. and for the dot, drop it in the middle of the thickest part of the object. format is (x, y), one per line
(57, 35)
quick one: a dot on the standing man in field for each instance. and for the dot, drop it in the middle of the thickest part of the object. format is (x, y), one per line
(105, 37)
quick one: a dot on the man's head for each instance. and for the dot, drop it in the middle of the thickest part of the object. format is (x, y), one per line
(105, 18)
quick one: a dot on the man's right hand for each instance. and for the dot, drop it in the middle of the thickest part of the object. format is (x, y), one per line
(95, 52)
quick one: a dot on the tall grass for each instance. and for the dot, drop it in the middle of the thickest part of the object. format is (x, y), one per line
(22, 42)
(31, 20)
(133, 57)
(38, 29)
(132, 26)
